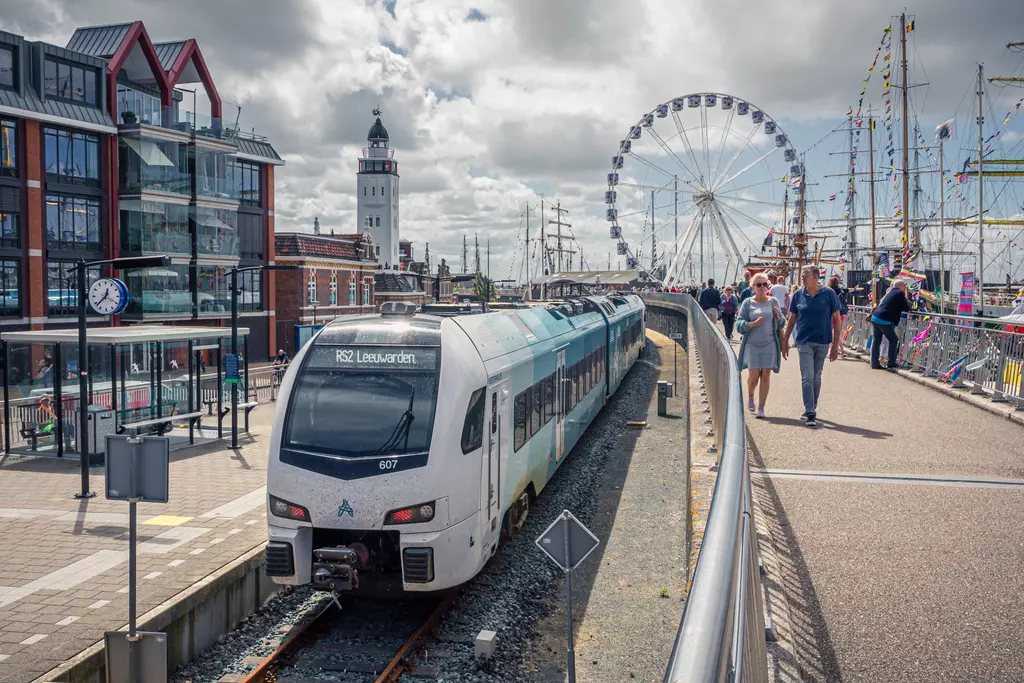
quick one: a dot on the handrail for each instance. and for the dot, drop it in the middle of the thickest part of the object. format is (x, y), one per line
(721, 636)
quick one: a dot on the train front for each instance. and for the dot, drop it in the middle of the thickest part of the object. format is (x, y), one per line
(367, 486)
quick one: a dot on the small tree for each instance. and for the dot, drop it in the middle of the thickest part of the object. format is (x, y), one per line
(484, 288)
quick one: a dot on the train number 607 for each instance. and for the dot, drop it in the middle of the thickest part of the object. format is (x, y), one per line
(388, 464)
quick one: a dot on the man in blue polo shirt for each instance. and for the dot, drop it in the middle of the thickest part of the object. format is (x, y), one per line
(814, 312)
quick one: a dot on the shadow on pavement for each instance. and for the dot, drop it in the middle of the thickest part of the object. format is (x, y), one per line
(811, 639)
(828, 424)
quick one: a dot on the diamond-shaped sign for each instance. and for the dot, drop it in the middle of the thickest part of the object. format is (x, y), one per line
(567, 542)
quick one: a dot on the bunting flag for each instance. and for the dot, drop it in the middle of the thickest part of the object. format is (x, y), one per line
(832, 197)
(910, 26)
(797, 183)
(768, 239)
(946, 131)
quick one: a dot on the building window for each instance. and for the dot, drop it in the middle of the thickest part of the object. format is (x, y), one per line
(332, 290)
(374, 190)
(378, 222)
(159, 291)
(311, 286)
(216, 232)
(70, 82)
(250, 285)
(247, 183)
(72, 223)
(135, 106)
(364, 190)
(352, 290)
(10, 288)
(8, 147)
(72, 158)
(62, 287)
(213, 289)
(250, 236)
(154, 227)
(215, 175)
(10, 230)
(366, 293)
(147, 163)
(6, 67)
(378, 251)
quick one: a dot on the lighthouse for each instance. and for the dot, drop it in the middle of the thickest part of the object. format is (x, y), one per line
(377, 190)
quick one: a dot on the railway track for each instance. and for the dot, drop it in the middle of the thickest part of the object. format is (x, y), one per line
(364, 641)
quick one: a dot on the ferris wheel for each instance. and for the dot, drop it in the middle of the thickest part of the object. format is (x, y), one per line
(701, 177)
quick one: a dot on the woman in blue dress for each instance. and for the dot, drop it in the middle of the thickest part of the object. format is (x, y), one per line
(759, 321)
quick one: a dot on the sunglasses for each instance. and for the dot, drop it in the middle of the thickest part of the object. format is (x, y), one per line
(760, 284)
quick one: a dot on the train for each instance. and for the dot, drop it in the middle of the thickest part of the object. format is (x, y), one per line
(405, 446)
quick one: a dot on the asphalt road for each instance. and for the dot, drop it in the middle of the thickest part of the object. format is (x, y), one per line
(889, 579)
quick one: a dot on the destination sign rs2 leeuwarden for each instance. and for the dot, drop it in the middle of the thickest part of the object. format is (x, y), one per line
(367, 358)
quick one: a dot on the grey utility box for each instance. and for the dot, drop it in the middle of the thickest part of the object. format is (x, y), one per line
(101, 425)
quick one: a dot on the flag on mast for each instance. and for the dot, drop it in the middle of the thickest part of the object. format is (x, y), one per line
(946, 131)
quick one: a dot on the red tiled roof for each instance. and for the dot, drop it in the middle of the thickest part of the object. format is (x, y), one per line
(296, 244)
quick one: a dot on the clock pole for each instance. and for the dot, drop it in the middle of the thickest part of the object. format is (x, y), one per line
(83, 403)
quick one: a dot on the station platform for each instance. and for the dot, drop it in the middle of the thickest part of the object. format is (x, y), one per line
(64, 562)
(898, 523)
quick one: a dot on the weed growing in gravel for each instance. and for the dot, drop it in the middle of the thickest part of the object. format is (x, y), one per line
(663, 593)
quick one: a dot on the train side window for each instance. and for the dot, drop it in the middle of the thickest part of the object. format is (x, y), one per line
(494, 412)
(549, 390)
(473, 428)
(527, 422)
(538, 406)
(520, 421)
(574, 397)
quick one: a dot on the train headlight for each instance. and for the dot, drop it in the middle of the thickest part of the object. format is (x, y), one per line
(282, 508)
(414, 514)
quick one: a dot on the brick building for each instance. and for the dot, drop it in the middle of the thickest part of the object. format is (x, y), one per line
(102, 155)
(336, 277)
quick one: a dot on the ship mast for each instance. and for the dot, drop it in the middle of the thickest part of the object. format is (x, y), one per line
(906, 118)
(981, 183)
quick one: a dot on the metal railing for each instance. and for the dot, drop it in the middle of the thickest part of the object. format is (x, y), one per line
(722, 633)
(980, 354)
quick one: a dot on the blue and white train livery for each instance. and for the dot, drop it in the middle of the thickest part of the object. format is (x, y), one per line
(404, 445)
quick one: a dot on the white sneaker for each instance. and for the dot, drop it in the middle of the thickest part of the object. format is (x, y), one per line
(750, 404)
(760, 412)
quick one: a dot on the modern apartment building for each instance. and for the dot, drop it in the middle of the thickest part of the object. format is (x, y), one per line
(104, 153)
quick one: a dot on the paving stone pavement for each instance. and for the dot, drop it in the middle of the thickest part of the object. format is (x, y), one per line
(64, 562)
(899, 527)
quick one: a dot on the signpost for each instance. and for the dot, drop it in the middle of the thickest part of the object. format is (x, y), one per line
(567, 543)
(675, 336)
(138, 470)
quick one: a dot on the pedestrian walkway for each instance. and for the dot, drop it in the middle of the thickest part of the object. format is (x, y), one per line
(64, 562)
(899, 526)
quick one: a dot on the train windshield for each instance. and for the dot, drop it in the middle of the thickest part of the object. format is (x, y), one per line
(363, 402)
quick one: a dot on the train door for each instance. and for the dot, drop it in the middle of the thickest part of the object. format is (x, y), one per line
(497, 399)
(560, 404)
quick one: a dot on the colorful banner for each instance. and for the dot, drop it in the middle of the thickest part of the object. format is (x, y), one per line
(966, 305)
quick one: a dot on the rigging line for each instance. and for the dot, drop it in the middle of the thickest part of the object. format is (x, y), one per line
(751, 201)
(685, 138)
(670, 151)
(519, 232)
(746, 187)
(658, 188)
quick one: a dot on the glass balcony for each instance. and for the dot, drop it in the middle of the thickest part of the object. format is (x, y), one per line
(154, 227)
(215, 174)
(137, 106)
(216, 232)
(151, 164)
(204, 125)
(157, 291)
(214, 291)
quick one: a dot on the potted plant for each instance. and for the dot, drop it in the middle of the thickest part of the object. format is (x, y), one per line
(129, 117)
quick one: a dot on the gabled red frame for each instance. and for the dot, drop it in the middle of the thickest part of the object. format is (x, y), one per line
(191, 51)
(136, 34)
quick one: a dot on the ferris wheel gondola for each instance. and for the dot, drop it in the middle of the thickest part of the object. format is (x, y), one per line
(719, 165)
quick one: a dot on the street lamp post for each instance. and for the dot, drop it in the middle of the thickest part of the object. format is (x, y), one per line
(128, 263)
(234, 338)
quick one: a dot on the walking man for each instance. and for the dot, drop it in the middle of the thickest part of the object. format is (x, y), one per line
(780, 292)
(814, 313)
(885, 319)
(710, 300)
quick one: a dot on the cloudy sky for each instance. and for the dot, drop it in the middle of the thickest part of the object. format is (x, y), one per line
(491, 104)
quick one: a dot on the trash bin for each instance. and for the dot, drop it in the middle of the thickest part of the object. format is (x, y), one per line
(101, 424)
